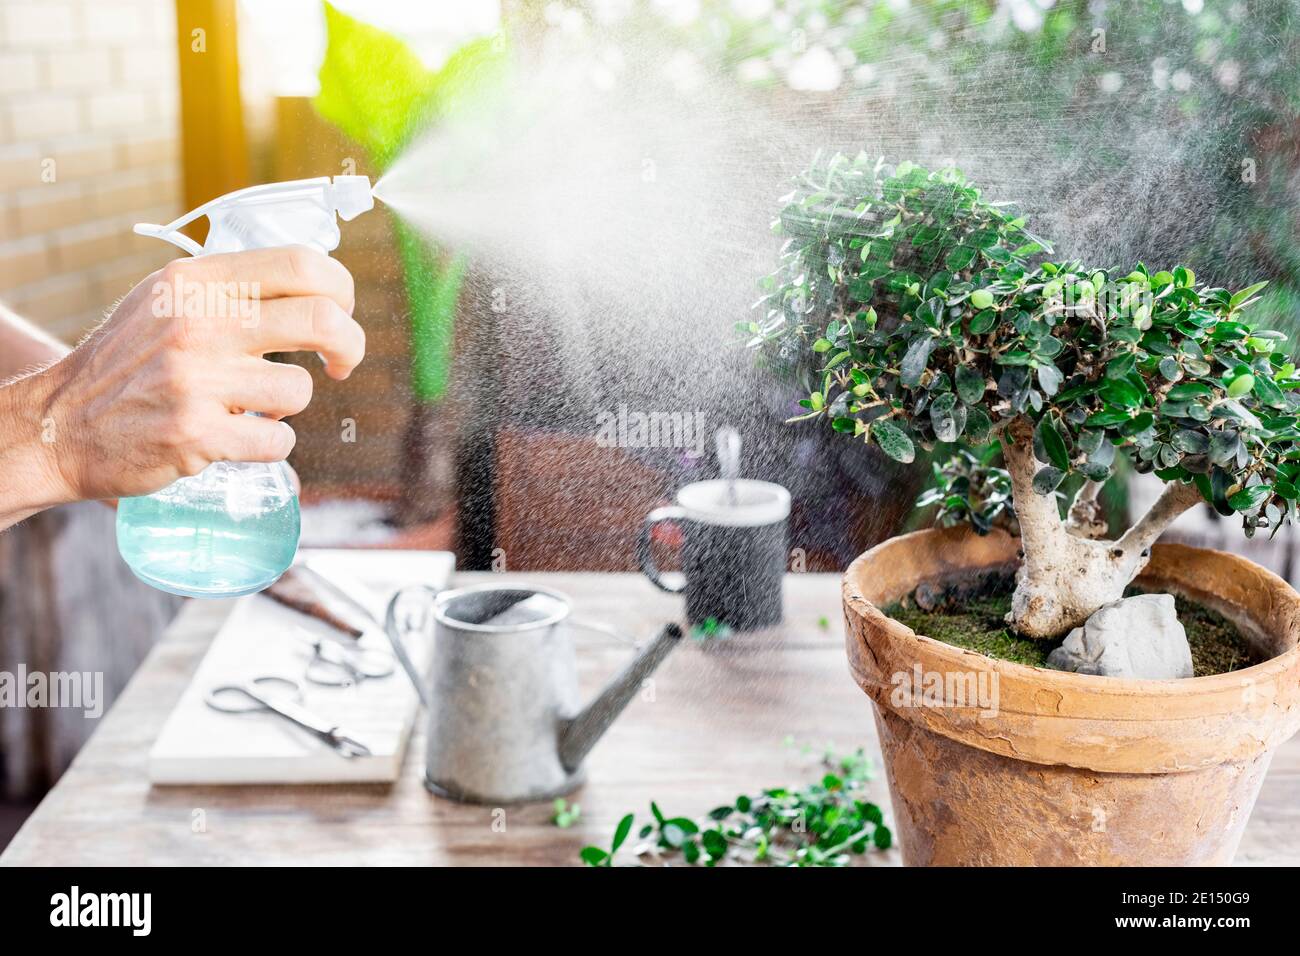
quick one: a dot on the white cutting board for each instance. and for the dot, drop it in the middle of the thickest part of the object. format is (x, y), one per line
(199, 745)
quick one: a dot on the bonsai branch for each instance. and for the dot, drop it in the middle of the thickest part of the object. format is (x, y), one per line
(1173, 501)
(1084, 517)
(1068, 573)
(1037, 515)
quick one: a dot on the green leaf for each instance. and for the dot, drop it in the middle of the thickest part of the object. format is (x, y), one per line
(978, 425)
(373, 87)
(882, 838)
(377, 91)
(593, 855)
(1047, 479)
(715, 844)
(1090, 440)
(1245, 294)
(893, 441)
(1104, 453)
(983, 321)
(673, 834)
(1268, 392)
(685, 824)
(1240, 385)
(1188, 390)
(1138, 423)
(1095, 471)
(1220, 481)
(918, 356)
(1193, 443)
(970, 384)
(690, 851)
(959, 258)
(1223, 446)
(1049, 379)
(620, 834)
(1121, 366)
(433, 284)
(1053, 444)
(947, 417)
(1232, 408)
(1248, 499)
(1121, 392)
(1107, 418)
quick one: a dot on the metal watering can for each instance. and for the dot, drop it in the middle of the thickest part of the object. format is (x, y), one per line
(505, 722)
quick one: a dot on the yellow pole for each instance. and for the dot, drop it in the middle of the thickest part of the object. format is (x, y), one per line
(214, 151)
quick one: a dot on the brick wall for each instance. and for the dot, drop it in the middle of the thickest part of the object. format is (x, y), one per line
(89, 146)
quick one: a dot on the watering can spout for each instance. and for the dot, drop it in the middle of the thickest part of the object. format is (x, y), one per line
(582, 732)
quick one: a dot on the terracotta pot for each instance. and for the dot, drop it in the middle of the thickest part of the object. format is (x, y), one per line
(1068, 769)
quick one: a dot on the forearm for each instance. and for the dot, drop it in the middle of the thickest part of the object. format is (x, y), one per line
(24, 347)
(29, 476)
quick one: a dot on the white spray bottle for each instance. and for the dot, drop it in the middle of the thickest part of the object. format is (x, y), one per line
(233, 528)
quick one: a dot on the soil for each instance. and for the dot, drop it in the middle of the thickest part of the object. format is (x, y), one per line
(975, 619)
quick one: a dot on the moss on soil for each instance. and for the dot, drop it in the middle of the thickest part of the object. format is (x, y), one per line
(977, 623)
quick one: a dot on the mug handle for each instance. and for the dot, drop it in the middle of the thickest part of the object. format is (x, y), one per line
(396, 631)
(643, 555)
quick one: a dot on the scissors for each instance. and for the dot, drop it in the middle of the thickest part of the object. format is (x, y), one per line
(258, 695)
(333, 665)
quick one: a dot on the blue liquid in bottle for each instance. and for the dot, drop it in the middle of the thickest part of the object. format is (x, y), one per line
(218, 534)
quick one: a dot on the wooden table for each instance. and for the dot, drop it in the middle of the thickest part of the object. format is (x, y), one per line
(720, 722)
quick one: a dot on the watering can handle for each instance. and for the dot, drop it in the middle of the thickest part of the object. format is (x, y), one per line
(396, 632)
(643, 553)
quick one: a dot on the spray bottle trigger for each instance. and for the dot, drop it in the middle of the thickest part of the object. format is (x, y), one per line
(168, 233)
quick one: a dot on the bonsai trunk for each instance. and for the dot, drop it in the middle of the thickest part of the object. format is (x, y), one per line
(1068, 572)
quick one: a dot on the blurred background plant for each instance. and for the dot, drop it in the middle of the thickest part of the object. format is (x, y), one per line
(1086, 92)
(379, 93)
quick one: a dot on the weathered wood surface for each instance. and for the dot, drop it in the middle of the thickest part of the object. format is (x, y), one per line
(67, 603)
(717, 726)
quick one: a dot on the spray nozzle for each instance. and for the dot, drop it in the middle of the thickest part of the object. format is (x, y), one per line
(298, 212)
(352, 196)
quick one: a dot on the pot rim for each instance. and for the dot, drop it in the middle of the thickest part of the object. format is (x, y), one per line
(1116, 725)
(1090, 683)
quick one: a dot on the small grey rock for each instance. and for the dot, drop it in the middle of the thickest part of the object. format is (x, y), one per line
(1138, 637)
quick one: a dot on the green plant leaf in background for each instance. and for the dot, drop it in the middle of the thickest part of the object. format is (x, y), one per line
(432, 288)
(372, 87)
(376, 90)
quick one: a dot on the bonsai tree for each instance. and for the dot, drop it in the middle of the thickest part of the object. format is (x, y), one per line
(915, 312)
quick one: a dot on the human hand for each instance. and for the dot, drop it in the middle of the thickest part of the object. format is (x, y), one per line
(159, 390)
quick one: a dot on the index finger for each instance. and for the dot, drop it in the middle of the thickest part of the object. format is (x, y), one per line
(283, 271)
